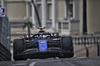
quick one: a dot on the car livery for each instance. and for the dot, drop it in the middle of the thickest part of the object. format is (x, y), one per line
(43, 45)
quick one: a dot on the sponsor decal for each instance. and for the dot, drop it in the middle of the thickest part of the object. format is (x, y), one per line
(2, 11)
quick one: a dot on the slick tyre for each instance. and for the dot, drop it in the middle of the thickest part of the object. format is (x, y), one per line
(67, 44)
(17, 48)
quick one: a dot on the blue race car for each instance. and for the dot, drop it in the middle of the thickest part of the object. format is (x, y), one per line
(43, 45)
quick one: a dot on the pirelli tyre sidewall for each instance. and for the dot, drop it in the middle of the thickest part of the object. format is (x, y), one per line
(18, 47)
(67, 44)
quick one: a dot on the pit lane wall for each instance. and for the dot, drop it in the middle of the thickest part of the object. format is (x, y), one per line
(5, 54)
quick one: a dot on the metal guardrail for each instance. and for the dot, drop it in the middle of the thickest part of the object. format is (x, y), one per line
(88, 40)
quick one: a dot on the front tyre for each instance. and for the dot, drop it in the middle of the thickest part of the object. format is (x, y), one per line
(18, 47)
(67, 45)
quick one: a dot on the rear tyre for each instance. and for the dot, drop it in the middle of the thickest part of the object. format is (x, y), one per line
(67, 45)
(18, 48)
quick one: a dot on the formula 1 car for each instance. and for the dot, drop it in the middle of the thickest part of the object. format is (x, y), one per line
(43, 45)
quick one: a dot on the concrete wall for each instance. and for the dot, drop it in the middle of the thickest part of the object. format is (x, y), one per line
(81, 15)
(16, 10)
(60, 10)
(93, 15)
(60, 5)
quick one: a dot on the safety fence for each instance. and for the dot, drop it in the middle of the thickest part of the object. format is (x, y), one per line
(5, 54)
(87, 40)
(5, 34)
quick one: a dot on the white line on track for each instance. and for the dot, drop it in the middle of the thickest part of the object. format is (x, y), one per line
(32, 64)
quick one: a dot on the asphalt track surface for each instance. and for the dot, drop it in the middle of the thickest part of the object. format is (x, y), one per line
(91, 61)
